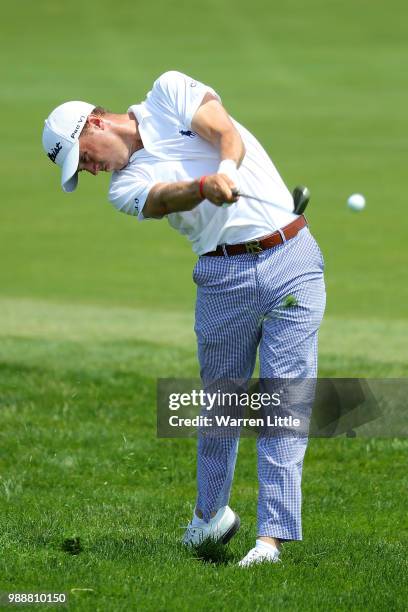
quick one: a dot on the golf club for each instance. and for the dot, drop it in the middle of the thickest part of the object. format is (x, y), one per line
(300, 194)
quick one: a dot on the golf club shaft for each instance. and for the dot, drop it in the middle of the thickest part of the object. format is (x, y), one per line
(301, 198)
(250, 197)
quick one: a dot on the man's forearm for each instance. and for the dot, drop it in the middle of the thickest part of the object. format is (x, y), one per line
(212, 122)
(166, 198)
(231, 146)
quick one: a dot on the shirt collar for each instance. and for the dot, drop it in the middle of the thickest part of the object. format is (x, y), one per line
(140, 112)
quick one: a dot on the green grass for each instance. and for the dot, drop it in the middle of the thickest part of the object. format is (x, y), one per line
(80, 459)
(94, 307)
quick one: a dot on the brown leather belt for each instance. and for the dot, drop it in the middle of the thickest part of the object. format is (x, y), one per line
(262, 244)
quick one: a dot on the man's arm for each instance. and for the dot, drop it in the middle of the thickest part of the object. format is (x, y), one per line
(212, 123)
(166, 198)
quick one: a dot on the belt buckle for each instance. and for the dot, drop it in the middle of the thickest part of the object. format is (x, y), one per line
(253, 246)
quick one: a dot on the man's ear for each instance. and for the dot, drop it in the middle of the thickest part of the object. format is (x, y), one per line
(96, 121)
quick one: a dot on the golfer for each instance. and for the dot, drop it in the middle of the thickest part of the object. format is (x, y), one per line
(179, 155)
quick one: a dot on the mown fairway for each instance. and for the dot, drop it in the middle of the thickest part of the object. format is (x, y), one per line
(95, 307)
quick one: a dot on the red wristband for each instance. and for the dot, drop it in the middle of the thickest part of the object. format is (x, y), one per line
(201, 185)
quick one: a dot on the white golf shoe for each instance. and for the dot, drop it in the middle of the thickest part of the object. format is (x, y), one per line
(220, 528)
(262, 553)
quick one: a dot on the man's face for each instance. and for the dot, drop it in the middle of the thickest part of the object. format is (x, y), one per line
(100, 148)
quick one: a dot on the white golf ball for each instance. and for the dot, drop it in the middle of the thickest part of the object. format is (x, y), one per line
(356, 201)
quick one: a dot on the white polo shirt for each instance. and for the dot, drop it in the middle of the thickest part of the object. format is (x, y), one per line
(173, 152)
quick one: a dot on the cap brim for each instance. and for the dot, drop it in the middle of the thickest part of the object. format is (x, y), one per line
(69, 177)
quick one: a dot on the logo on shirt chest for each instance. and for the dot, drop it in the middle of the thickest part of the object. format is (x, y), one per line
(188, 133)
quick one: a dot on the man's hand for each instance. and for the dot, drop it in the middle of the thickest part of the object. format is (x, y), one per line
(217, 188)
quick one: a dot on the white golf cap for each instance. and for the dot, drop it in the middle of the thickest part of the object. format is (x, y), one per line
(61, 139)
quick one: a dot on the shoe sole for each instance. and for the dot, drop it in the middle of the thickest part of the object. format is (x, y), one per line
(232, 530)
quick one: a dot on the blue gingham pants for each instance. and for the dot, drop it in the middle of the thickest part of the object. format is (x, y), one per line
(238, 309)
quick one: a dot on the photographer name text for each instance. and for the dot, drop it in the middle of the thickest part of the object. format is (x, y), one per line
(229, 421)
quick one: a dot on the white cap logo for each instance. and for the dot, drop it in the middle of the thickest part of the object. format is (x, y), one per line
(61, 139)
(54, 152)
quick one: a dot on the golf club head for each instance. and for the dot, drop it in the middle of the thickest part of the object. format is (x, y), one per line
(301, 197)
